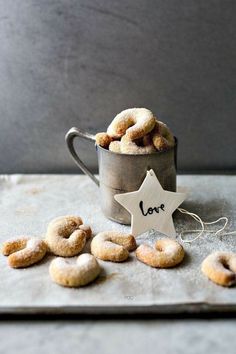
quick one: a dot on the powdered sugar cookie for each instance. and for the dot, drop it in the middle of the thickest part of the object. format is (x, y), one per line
(24, 251)
(103, 139)
(162, 137)
(112, 246)
(134, 122)
(66, 236)
(167, 253)
(84, 271)
(220, 267)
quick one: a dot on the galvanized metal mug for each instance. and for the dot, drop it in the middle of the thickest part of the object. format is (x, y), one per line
(121, 173)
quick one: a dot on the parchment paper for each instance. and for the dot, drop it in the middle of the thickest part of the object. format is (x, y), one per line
(29, 202)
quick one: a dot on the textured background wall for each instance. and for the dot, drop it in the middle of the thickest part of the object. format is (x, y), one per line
(79, 62)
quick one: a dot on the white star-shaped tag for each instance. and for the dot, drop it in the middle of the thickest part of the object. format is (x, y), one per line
(151, 207)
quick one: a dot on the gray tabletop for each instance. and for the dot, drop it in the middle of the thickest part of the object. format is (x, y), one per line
(112, 336)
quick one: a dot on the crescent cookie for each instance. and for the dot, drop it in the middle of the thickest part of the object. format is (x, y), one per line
(87, 229)
(162, 137)
(129, 146)
(24, 251)
(167, 253)
(84, 271)
(115, 146)
(112, 246)
(134, 122)
(103, 139)
(220, 267)
(66, 235)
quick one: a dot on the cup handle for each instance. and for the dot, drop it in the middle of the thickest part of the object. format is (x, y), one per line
(70, 136)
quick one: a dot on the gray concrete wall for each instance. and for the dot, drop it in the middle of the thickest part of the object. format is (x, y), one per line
(79, 62)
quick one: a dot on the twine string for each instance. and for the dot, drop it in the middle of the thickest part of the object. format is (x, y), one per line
(203, 229)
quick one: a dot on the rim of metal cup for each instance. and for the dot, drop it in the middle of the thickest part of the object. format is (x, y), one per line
(137, 155)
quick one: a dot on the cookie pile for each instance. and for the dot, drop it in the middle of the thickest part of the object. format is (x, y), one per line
(136, 131)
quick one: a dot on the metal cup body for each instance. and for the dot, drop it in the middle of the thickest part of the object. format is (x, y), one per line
(122, 173)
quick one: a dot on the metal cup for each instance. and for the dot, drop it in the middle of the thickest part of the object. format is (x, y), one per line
(121, 173)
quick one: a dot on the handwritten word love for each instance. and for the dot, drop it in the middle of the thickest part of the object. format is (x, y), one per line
(151, 210)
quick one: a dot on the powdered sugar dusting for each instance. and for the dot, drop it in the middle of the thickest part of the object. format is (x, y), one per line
(35, 244)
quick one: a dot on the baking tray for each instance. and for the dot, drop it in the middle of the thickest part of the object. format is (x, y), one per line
(29, 202)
